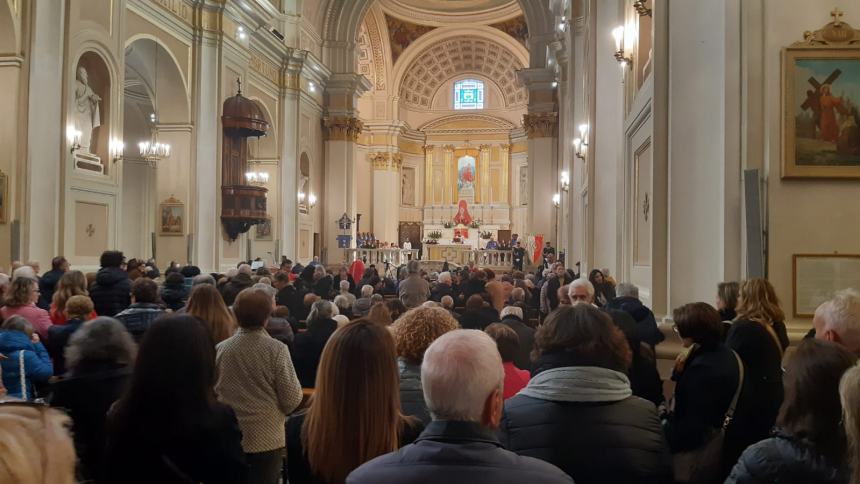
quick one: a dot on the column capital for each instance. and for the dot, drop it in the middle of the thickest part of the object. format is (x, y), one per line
(383, 161)
(342, 128)
(484, 147)
(540, 125)
(448, 148)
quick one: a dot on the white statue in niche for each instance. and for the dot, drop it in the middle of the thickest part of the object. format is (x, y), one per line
(86, 113)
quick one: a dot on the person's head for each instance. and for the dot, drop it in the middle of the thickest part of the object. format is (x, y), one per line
(252, 308)
(199, 279)
(586, 335)
(419, 327)
(506, 340)
(344, 305)
(447, 302)
(698, 323)
(380, 314)
(321, 310)
(101, 341)
(280, 280)
(59, 263)
(462, 377)
(811, 408)
(396, 308)
(548, 244)
(176, 358)
(36, 445)
(474, 303)
(25, 272)
(37, 267)
(245, 269)
(144, 290)
(445, 278)
(596, 277)
(174, 279)
(511, 311)
(24, 291)
(849, 396)
(206, 304)
(376, 298)
(231, 273)
(18, 323)
(563, 294)
(559, 269)
(189, 271)
(518, 295)
(581, 291)
(71, 283)
(413, 267)
(344, 286)
(727, 295)
(286, 265)
(366, 290)
(309, 299)
(79, 307)
(627, 289)
(111, 258)
(319, 272)
(838, 320)
(758, 302)
(358, 366)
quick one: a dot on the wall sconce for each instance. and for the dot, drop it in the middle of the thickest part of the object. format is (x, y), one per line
(240, 33)
(73, 136)
(312, 200)
(562, 24)
(618, 33)
(116, 148)
(556, 199)
(554, 84)
(577, 148)
(312, 87)
(564, 179)
(301, 196)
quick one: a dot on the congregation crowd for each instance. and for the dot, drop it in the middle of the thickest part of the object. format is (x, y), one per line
(405, 375)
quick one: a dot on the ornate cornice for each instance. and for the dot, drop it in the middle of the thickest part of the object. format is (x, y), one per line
(342, 128)
(540, 125)
(386, 161)
(836, 33)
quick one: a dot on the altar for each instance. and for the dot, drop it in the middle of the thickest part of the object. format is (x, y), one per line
(456, 253)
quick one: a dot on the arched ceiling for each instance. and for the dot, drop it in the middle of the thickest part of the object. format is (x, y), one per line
(457, 55)
(446, 12)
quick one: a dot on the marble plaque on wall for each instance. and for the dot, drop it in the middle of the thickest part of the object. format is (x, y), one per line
(91, 229)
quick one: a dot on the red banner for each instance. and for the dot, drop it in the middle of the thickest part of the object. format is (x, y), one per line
(538, 259)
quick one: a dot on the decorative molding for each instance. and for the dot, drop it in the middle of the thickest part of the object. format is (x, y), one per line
(261, 66)
(834, 34)
(516, 28)
(540, 125)
(179, 9)
(342, 128)
(377, 51)
(386, 161)
(496, 125)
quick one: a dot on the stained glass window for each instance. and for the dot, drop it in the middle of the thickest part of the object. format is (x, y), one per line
(469, 94)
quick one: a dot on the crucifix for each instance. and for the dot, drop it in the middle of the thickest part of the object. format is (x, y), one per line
(812, 96)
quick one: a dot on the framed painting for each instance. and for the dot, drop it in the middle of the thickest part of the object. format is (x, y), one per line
(821, 95)
(171, 217)
(263, 231)
(817, 277)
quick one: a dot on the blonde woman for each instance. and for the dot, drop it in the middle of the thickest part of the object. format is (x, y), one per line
(758, 336)
(35, 447)
(73, 283)
(206, 304)
(849, 393)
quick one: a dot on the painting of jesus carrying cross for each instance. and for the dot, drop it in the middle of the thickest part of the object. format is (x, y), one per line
(821, 103)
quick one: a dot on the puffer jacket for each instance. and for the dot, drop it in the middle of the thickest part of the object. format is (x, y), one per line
(233, 287)
(586, 421)
(111, 293)
(174, 296)
(786, 460)
(411, 394)
(37, 363)
(646, 325)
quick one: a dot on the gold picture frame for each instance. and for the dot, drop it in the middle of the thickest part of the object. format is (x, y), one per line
(263, 231)
(820, 99)
(171, 217)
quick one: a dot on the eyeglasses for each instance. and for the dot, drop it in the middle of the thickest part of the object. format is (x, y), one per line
(579, 297)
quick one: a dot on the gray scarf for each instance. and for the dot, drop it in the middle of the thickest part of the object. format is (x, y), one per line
(579, 384)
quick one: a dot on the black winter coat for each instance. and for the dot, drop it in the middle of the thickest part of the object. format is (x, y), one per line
(234, 286)
(645, 380)
(479, 319)
(762, 391)
(174, 296)
(308, 348)
(411, 394)
(442, 290)
(786, 460)
(704, 388)
(47, 285)
(86, 396)
(646, 324)
(58, 338)
(526, 335)
(111, 293)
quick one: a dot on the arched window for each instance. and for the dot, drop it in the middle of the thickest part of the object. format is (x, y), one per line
(469, 94)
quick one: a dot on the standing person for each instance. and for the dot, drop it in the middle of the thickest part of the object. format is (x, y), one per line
(462, 376)
(512, 317)
(73, 283)
(256, 378)
(325, 444)
(414, 290)
(21, 346)
(21, 301)
(561, 278)
(322, 282)
(207, 305)
(849, 396)
(78, 311)
(342, 276)
(48, 281)
(144, 308)
(185, 436)
(755, 337)
(603, 290)
(809, 444)
(578, 411)
(727, 300)
(99, 358)
(548, 254)
(627, 300)
(308, 346)
(519, 256)
(111, 292)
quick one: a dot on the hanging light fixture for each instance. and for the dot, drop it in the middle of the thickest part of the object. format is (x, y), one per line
(153, 150)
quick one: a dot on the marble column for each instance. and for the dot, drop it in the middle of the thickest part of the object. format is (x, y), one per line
(542, 174)
(505, 158)
(484, 175)
(428, 175)
(386, 195)
(288, 167)
(450, 191)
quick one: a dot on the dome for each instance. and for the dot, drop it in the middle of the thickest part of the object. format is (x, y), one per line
(242, 115)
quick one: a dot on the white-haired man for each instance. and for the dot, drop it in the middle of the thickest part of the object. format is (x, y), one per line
(444, 287)
(362, 305)
(462, 377)
(581, 291)
(838, 320)
(627, 299)
(343, 286)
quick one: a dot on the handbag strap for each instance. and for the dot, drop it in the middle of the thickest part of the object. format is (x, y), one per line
(772, 332)
(730, 413)
(23, 375)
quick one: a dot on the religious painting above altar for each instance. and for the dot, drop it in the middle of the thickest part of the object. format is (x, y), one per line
(466, 178)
